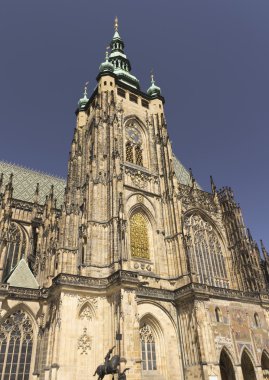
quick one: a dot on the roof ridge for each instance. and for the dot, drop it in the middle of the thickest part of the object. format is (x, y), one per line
(32, 170)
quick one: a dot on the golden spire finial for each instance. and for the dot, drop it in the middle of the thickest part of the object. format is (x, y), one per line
(116, 24)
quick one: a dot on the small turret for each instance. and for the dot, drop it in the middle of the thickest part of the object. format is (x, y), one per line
(83, 101)
(153, 90)
(106, 66)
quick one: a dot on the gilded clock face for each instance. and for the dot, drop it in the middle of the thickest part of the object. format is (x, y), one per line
(133, 135)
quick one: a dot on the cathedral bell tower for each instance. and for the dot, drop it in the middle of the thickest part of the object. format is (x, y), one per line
(120, 210)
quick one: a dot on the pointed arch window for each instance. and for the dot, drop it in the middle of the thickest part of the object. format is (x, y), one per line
(16, 344)
(148, 349)
(138, 155)
(205, 252)
(133, 146)
(218, 314)
(15, 249)
(257, 320)
(139, 236)
(265, 365)
(129, 152)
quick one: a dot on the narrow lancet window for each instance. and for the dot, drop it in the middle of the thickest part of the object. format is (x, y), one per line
(139, 236)
(129, 152)
(148, 349)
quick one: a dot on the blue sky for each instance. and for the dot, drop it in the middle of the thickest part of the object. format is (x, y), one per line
(210, 58)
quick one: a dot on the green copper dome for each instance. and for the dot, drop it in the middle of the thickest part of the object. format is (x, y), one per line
(106, 66)
(83, 101)
(153, 89)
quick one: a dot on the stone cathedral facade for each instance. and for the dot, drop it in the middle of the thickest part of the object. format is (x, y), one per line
(129, 251)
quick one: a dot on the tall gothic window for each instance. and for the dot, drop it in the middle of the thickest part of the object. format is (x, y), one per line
(133, 147)
(15, 249)
(138, 155)
(148, 349)
(139, 236)
(205, 252)
(16, 343)
(129, 152)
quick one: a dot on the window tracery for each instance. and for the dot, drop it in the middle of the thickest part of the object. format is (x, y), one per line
(16, 247)
(139, 236)
(205, 252)
(148, 349)
(133, 147)
(16, 343)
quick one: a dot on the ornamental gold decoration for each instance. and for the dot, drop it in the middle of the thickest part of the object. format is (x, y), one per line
(139, 236)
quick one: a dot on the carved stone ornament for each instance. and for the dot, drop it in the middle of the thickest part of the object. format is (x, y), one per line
(195, 197)
(226, 341)
(84, 343)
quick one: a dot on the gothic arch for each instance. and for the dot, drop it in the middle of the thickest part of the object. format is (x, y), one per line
(152, 345)
(136, 142)
(265, 364)
(208, 219)
(17, 246)
(162, 308)
(226, 364)
(164, 329)
(205, 248)
(17, 343)
(86, 311)
(248, 369)
(144, 202)
(140, 235)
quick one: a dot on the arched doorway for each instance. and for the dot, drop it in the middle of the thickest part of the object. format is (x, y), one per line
(226, 366)
(265, 365)
(247, 367)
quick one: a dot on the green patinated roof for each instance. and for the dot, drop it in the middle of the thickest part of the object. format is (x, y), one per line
(25, 180)
(22, 277)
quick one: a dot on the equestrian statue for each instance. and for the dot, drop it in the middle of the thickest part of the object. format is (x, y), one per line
(110, 367)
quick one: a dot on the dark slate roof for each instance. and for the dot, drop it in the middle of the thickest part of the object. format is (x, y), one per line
(25, 180)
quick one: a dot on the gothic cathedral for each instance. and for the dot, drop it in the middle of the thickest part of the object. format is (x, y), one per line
(129, 252)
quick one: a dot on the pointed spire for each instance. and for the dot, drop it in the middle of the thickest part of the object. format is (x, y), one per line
(213, 186)
(1, 181)
(116, 24)
(264, 251)
(51, 192)
(153, 89)
(83, 101)
(118, 58)
(192, 179)
(36, 197)
(249, 235)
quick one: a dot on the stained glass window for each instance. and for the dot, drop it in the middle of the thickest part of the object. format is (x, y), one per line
(15, 249)
(139, 236)
(16, 342)
(148, 349)
(205, 252)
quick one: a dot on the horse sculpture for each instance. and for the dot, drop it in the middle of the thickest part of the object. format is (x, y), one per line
(110, 367)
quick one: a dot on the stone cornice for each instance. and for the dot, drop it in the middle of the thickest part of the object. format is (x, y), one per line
(129, 279)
